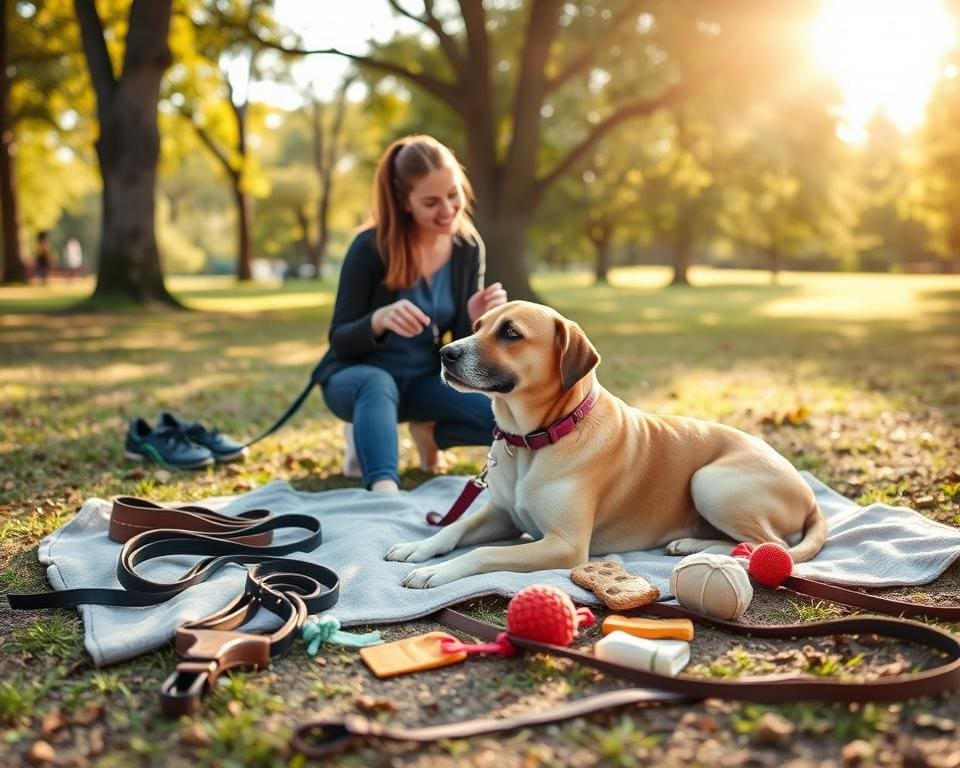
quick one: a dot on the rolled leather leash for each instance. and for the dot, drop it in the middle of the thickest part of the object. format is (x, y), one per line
(131, 515)
(317, 739)
(217, 549)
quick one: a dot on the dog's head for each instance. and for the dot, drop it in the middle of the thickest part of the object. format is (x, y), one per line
(519, 346)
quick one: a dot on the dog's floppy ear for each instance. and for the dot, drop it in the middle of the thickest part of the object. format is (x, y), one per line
(577, 355)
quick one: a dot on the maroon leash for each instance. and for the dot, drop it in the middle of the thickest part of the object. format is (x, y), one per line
(539, 438)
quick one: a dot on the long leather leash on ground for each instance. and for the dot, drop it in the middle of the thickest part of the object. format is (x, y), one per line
(292, 589)
(320, 738)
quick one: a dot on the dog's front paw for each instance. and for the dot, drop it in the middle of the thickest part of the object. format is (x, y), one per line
(411, 552)
(691, 546)
(680, 547)
(428, 576)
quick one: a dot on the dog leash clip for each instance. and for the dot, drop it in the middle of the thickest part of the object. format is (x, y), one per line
(470, 491)
(207, 653)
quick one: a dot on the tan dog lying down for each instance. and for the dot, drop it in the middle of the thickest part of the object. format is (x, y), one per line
(621, 480)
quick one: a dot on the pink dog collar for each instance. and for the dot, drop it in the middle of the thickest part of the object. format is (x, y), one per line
(540, 438)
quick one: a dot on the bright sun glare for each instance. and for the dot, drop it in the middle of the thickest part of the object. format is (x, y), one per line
(884, 55)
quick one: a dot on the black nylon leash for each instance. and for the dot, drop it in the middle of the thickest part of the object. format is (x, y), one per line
(288, 414)
(217, 551)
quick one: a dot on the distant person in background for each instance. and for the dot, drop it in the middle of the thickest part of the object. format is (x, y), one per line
(414, 276)
(73, 256)
(43, 257)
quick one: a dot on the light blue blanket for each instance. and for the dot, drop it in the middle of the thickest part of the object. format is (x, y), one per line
(878, 545)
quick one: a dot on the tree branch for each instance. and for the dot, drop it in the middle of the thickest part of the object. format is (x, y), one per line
(585, 60)
(475, 24)
(539, 35)
(672, 95)
(447, 44)
(95, 50)
(209, 143)
(446, 92)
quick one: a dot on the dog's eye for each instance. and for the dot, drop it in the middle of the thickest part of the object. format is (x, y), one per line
(507, 331)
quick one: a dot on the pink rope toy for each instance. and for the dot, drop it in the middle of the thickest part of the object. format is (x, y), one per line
(539, 612)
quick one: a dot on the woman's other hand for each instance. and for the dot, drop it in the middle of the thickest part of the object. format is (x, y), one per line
(492, 296)
(402, 317)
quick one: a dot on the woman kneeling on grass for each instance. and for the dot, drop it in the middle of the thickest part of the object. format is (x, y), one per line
(411, 278)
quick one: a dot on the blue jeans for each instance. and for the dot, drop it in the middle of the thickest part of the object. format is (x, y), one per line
(375, 402)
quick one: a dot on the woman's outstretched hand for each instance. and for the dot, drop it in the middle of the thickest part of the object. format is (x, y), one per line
(492, 296)
(402, 317)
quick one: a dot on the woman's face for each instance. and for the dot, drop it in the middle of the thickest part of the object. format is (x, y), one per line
(436, 201)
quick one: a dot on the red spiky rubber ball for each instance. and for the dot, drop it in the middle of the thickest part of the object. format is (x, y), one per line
(546, 614)
(770, 564)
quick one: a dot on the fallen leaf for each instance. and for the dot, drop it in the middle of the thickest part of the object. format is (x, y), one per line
(41, 752)
(369, 704)
(52, 722)
(856, 752)
(87, 715)
(97, 745)
(774, 730)
(194, 736)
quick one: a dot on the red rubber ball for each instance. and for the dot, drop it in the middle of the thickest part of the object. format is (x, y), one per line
(770, 564)
(544, 613)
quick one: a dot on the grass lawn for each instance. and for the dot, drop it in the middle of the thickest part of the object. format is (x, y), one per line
(854, 377)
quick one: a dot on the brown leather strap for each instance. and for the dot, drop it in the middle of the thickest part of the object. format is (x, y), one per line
(868, 602)
(131, 515)
(319, 738)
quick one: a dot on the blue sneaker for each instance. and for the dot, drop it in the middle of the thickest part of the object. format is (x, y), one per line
(165, 445)
(222, 447)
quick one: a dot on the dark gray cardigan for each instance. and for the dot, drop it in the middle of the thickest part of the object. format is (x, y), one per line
(361, 292)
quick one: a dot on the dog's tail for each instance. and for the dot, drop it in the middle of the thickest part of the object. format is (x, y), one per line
(814, 535)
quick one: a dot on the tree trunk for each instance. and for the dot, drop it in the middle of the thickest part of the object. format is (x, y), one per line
(308, 246)
(602, 244)
(683, 250)
(774, 261)
(14, 270)
(128, 149)
(244, 241)
(504, 230)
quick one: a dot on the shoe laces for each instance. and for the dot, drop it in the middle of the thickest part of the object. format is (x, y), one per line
(170, 435)
(198, 429)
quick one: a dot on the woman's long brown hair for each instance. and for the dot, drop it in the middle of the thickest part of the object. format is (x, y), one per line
(405, 162)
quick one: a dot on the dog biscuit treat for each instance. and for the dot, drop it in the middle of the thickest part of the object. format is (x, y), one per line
(616, 588)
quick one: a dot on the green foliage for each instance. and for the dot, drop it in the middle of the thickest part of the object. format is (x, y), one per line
(843, 721)
(797, 611)
(51, 107)
(620, 745)
(59, 636)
